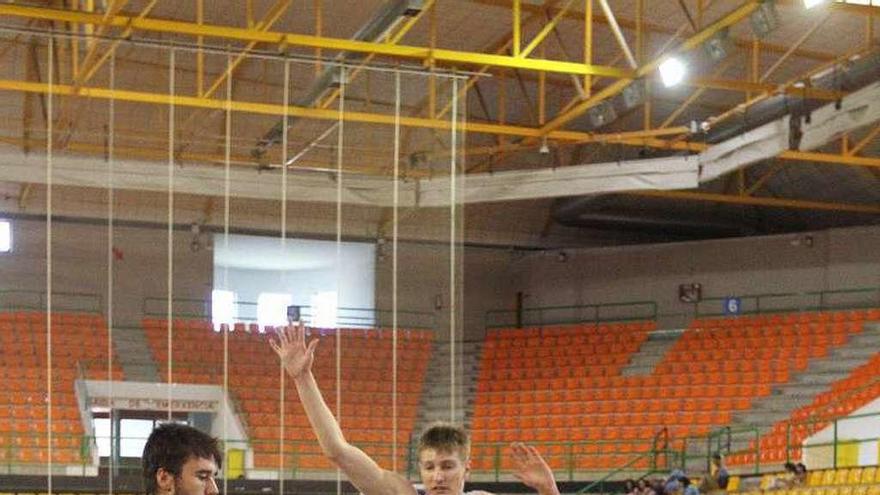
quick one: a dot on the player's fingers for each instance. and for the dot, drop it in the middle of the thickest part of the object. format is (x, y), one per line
(533, 452)
(312, 346)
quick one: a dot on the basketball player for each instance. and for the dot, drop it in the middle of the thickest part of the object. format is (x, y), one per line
(443, 449)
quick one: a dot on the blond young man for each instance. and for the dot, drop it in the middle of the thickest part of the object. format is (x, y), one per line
(443, 451)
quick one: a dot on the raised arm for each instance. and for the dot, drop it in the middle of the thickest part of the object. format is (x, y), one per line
(364, 473)
(532, 469)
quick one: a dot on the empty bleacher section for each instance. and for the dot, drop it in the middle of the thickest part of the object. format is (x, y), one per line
(842, 397)
(560, 384)
(78, 349)
(254, 380)
(563, 384)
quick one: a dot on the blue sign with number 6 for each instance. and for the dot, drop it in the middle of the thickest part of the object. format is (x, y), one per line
(732, 306)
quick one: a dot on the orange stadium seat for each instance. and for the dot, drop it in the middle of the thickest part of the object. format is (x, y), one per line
(79, 341)
(254, 379)
(718, 366)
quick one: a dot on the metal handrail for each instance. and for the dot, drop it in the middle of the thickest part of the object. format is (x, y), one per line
(595, 309)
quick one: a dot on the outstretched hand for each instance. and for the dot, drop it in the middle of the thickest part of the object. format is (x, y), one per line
(532, 469)
(295, 355)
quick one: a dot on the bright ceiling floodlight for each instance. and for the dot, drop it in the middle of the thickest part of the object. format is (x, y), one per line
(809, 4)
(672, 72)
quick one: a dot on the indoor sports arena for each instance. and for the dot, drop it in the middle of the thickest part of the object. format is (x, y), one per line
(435, 247)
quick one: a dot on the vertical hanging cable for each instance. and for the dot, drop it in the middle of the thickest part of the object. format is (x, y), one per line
(170, 282)
(394, 233)
(339, 144)
(49, 137)
(227, 160)
(282, 381)
(452, 235)
(111, 197)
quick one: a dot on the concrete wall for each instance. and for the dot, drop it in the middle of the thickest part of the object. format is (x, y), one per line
(837, 259)
(491, 277)
(484, 277)
(79, 264)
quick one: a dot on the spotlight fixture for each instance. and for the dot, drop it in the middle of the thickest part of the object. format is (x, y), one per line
(633, 95)
(765, 19)
(602, 114)
(672, 71)
(719, 46)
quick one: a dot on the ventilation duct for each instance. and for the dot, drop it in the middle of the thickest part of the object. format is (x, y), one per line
(850, 77)
(761, 132)
(380, 24)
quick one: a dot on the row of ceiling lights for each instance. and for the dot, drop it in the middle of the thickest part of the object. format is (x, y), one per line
(763, 20)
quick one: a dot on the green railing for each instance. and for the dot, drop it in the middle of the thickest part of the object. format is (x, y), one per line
(663, 454)
(660, 449)
(587, 313)
(247, 313)
(16, 300)
(81, 450)
(784, 302)
(726, 439)
(21, 449)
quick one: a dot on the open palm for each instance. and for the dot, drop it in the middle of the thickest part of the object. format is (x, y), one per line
(532, 469)
(296, 356)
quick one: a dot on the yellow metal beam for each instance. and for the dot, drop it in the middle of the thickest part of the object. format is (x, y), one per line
(800, 41)
(379, 168)
(614, 88)
(517, 27)
(498, 47)
(423, 54)
(428, 6)
(265, 24)
(89, 59)
(812, 156)
(200, 54)
(87, 73)
(649, 138)
(758, 87)
(546, 30)
(588, 44)
(614, 137)
(760, 201)
(865, 141)
(664, 30)
(272, 109)
(774, 169)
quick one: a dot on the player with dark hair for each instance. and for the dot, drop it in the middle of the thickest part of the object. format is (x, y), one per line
(181, 460)
(443, 452)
